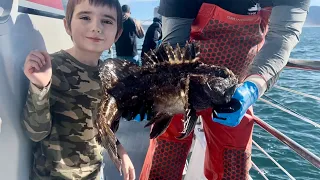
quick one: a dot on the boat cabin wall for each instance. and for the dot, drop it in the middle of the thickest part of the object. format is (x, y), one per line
(19, 34)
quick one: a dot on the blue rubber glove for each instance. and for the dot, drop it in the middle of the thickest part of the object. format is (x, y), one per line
(232, 113)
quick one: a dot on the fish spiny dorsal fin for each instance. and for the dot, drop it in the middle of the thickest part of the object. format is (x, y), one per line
(197, 48)
(148, 60)
(169, 52)
(173, 54)
(195, 51)
(185, 53)
(182, 52)
(165, 53)
(178, 54)
(192, 52)
(154, 56)
(161, 54)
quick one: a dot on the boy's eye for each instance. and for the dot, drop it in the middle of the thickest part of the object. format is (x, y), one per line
(107, 22)
(85, 18)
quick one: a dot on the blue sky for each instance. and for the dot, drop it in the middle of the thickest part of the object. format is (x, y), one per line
(315, 2)
(143, 9)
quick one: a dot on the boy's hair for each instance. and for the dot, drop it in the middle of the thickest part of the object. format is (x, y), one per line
(111, 3)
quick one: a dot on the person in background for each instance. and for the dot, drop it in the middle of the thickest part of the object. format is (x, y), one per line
(153, 36)
(126, 46)
(252, 38)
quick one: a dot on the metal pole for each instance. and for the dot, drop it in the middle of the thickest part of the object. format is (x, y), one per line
(274, 161)
(259, 170)
(303, 152)
(304, 64)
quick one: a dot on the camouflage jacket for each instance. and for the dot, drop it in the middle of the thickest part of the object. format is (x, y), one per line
(59, 120)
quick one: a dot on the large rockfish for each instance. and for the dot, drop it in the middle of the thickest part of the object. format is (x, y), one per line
(170, 81)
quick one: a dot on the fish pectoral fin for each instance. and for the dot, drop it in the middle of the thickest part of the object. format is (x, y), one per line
(154, 117)
(146, 112)
(143, 110)
(129, 114)
(189, 123)
(108, 140)
(106, 127)
(161, 122)
(115, 124)
(153, 120)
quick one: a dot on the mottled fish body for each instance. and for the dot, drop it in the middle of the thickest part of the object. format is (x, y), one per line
(171, 81)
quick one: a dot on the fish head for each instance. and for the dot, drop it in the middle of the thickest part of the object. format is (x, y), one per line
(220, 89)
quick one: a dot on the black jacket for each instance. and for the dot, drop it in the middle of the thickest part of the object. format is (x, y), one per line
(153, 35)
(127, 43)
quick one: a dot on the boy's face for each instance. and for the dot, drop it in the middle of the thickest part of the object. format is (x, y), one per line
(93, 28)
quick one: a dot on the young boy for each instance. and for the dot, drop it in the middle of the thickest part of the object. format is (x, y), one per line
(64, 92)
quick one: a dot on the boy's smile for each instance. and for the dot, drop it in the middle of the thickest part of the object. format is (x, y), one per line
(95, 39)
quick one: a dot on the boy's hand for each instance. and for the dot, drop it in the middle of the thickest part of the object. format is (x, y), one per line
(126, 165)
(38, 69)
(127, 168)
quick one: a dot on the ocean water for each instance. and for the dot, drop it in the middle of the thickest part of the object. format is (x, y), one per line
(305, 134)
(298, 130)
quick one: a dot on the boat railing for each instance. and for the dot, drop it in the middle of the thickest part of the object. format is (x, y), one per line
(293, 145)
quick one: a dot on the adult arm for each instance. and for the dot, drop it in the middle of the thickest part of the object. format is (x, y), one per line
(285, 26)
(177, 17)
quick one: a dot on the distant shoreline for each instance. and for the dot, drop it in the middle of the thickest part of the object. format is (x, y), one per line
(311, 26)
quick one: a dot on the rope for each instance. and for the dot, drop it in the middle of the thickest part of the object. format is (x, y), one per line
(274, 161)
(289, 111)
(297, 92)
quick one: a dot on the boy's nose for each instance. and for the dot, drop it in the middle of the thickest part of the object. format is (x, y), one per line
(96, 27)
(97, 30)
